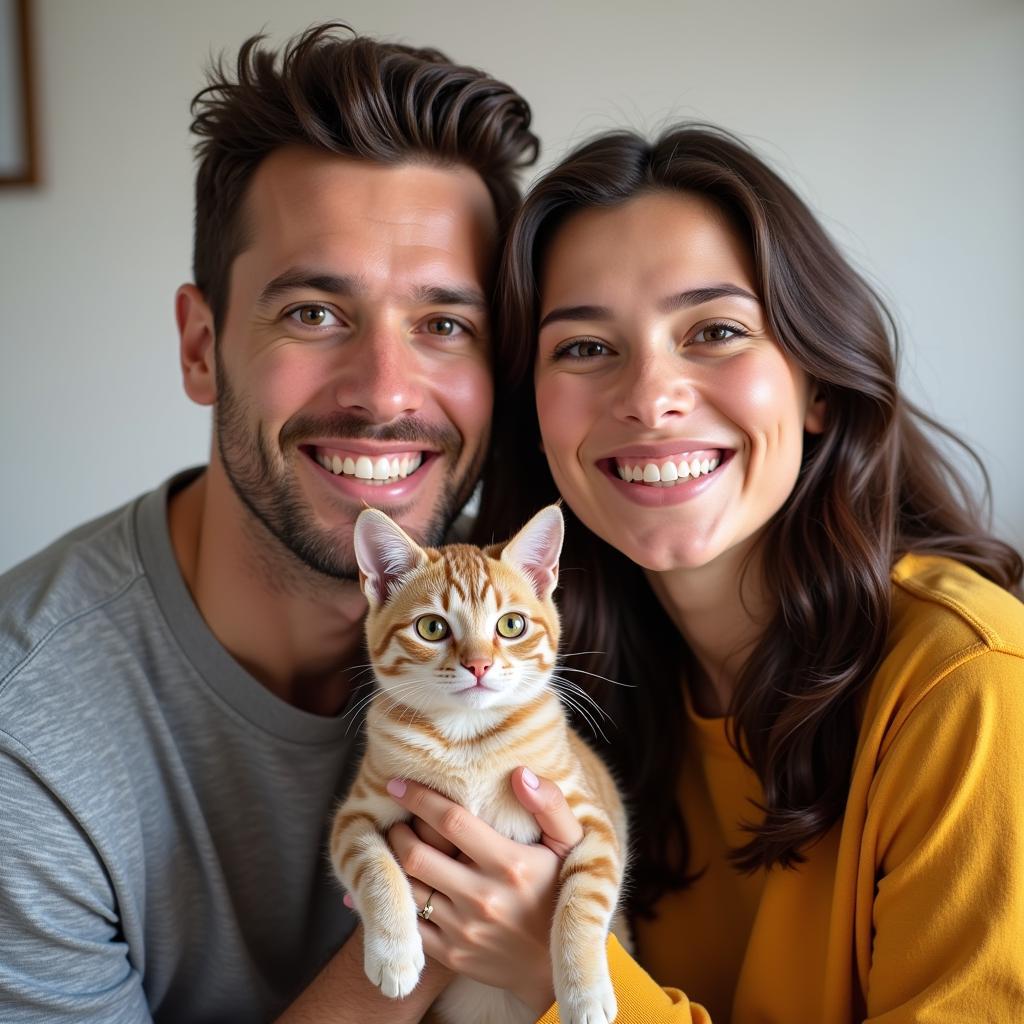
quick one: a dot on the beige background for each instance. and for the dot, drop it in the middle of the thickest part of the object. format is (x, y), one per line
(901, 122)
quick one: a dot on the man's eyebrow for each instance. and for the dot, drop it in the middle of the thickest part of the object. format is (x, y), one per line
(691, 297)
(296, 278)
(456, 295)
(350, 286)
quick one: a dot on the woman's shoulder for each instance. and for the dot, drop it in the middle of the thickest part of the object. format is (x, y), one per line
(952, 604)
(951, 631)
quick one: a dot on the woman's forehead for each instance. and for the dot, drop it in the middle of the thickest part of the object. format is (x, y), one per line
(659, 241)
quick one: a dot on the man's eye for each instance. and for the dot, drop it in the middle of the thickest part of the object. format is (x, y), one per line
(444, 326)
(585, 348)
(314, 316)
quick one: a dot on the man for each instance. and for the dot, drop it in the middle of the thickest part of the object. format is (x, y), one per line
(172, 675)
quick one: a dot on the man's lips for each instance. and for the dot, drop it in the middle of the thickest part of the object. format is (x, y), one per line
(385, 470)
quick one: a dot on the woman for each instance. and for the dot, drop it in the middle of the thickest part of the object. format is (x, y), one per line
(824, 742)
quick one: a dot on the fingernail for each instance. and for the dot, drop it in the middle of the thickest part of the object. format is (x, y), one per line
(530, 779)
(396, 787)
(347, 900)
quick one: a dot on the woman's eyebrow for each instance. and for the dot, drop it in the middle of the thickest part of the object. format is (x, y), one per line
(691, 297)
(576, 313)
(698, 296)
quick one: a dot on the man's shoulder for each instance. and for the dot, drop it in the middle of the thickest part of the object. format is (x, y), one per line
(73, 578)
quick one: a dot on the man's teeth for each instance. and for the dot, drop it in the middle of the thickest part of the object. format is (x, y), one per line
(381, 470)
(667, 473)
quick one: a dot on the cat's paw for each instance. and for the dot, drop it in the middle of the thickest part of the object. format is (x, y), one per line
(595, 1005)
(393, 965)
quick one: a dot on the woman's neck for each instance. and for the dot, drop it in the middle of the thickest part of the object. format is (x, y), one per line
(721, 610)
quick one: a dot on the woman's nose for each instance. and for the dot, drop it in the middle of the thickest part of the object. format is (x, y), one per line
(654, 389)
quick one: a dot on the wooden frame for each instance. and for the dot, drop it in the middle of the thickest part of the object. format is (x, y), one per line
(19, 163)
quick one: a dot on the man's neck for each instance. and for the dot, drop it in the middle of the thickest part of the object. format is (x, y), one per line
(297, 632)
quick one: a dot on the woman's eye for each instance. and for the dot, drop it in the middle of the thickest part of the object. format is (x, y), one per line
(432, 627)
(586, 348)
(314, 316)
(717, 334)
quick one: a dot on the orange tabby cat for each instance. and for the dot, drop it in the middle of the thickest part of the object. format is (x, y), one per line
(463, 644)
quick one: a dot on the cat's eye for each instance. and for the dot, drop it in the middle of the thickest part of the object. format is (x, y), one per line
(432, 627)
(511, 625)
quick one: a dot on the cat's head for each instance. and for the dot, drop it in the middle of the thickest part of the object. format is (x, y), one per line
(456, 627)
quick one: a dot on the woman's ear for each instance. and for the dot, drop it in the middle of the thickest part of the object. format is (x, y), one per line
(196, 334)
(817, 409)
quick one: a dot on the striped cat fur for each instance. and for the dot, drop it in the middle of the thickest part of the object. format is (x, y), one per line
(463, 642)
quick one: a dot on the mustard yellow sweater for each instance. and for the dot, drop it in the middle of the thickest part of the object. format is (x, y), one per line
(912, 907)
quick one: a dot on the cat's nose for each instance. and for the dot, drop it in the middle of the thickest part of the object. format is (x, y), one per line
(478, 666)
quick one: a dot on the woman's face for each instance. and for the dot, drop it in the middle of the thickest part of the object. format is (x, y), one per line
(671, 419)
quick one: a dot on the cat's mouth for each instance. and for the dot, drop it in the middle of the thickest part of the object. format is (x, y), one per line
(380, 469)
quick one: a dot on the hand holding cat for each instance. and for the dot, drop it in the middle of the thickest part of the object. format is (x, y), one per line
(493, 905)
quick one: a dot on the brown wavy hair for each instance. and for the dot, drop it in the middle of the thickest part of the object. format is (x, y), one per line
(342, 93)
(879, 482)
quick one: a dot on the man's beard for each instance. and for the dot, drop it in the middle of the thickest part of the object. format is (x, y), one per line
(274, 498)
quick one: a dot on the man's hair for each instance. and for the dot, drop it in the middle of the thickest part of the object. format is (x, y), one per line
(342, 93)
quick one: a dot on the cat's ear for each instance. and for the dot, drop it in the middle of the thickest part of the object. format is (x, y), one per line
(534, 550)
(385, 553)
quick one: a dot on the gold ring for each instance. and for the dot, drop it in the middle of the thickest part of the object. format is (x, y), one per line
(428, 908)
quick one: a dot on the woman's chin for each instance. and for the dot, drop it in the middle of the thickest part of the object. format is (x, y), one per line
(665, 556)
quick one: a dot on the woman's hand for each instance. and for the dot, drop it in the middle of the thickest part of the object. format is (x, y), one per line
(493, 901)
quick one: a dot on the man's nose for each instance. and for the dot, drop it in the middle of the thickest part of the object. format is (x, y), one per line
(380, 377)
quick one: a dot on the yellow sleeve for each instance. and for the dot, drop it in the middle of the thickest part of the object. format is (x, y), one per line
(641, 1000)
(948, 812)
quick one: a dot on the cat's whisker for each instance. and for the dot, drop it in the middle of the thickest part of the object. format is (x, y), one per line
(584, 713)
(352, 668)
(584, 672)
(363, 701)
(579, 692)
(360, 703)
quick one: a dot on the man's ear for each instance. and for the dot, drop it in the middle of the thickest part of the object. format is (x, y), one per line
(817, 409)
(196, 334)
(385, 554)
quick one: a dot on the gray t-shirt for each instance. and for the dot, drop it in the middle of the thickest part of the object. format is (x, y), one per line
(163, 816)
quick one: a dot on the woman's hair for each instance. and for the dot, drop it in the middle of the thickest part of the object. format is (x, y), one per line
(357, 97)
(873, 486)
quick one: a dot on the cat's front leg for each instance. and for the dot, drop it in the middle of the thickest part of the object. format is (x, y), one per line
(363, 862)
(591, 878)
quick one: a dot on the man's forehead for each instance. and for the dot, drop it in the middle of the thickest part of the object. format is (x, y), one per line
(300, 185)
(305, 208)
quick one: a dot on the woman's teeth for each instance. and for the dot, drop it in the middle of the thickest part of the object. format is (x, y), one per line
(667, 473)
(374, 471)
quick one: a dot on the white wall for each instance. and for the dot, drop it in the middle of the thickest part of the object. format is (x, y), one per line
(902, 123)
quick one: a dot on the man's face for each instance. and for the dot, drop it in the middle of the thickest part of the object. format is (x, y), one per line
(353, 363)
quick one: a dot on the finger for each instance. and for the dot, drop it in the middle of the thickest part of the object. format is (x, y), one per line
(545, 801)
(467, 832)
(430, 835)
(421, 861)
(442, 911)
(434, 944)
